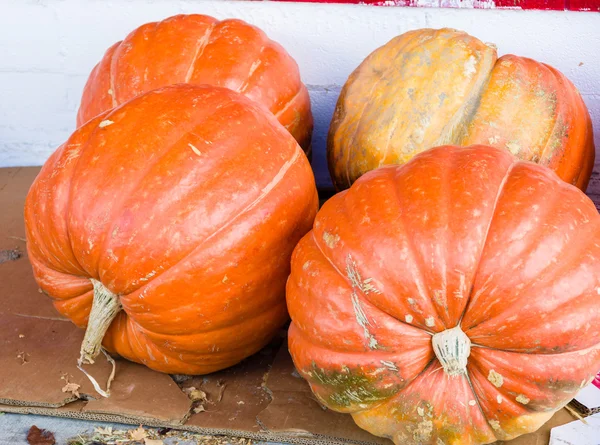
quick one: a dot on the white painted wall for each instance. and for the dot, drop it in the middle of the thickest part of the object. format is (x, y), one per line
(48, 47)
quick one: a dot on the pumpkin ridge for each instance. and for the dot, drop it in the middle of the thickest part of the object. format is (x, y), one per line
(202, 42)
(555, 117)
(359, 288)
(244, 86)
(272, 184)
(147, 333)
(367, 98)
(117, 210)
(148, 341)
(111, 75)
(485, 237)
(420, 280)
(550, 269)
(290, 102)
(477, 400)
(575, 110)
(471, 106)
(33, 228)
(66, 156)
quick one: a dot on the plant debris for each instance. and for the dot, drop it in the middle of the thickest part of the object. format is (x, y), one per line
(9, 255)
(138, 434)
(196, 395)
(23, 356)
(37, 436)
(104, 431)
(73, 388)
(222, 385)
(199, 409)
(153, 436)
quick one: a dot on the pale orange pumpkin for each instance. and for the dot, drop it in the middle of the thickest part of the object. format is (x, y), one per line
(172, 218)
(432, 87)
(452, 300)
(199, 49)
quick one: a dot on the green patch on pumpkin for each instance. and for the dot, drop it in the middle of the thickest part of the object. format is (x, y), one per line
(345, 388)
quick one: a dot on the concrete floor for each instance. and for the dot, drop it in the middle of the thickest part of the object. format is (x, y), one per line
(14, 428)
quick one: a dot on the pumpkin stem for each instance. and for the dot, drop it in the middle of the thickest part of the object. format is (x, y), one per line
(105, 307)
(452, 348)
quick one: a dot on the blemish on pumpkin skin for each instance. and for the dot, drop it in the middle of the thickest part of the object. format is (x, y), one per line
(195, 150)
(362, 320)
(423, 431)
(495, 425)
(331, 240)
(494, 140)
(105, 123)
(522, 399)
(513, 147)
(389, 365)
(349, 387)
(495, 378)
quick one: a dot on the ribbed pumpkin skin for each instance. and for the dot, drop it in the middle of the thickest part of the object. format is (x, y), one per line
(187, 203)
(428, 87)
(199, 49)
(457, 236)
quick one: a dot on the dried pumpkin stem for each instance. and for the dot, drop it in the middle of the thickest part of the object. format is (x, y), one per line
(452, 348)
(105, 307)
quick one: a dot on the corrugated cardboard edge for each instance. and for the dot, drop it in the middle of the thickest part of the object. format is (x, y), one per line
(289, 436)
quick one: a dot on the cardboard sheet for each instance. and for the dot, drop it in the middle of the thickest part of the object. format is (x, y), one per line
(261, 398)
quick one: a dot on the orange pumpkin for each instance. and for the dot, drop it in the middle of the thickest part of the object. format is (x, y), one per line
(199, 49)
(452, 300)
(172, 218)
(434, 87)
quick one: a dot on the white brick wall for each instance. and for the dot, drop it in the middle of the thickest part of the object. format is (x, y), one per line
(48, 47)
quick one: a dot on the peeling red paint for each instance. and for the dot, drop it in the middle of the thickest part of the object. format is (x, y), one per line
(554, 5)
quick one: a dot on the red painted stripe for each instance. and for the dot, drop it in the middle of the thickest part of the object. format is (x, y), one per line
(555, 5)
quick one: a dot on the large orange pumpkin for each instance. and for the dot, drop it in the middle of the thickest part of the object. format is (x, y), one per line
(434, 87)
(173, 218)
(200, 49)
(451, 300)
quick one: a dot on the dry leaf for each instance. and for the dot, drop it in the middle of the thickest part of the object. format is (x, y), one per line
(37, 436)
(104, 431)
(153, 442)
(138, 434)
(222, 385)
(196, 395)
(23, 356)
(72, 388)
(199, 409)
